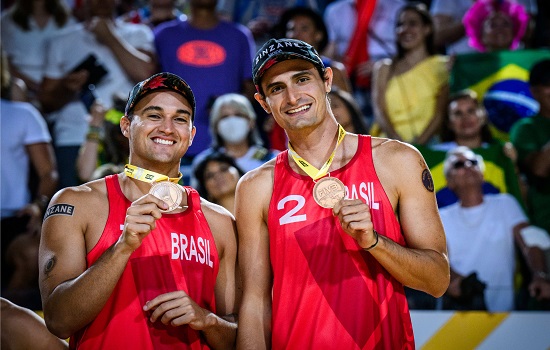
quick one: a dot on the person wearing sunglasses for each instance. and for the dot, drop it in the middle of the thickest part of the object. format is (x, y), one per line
(482, 233)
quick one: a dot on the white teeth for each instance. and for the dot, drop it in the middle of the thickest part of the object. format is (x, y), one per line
(163, 142)
(303, 108)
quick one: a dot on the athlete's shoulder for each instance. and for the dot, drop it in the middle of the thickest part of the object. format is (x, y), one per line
(394, 154)
(92, 193)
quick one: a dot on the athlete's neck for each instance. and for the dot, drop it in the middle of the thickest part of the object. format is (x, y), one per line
(315, 145)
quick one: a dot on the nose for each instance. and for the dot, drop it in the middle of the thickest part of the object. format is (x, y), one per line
(292, 96)
(167, 125)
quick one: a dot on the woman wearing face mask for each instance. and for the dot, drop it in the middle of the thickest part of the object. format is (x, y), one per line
(234, 132)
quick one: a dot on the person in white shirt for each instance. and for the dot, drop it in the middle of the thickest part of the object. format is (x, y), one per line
(481, 231)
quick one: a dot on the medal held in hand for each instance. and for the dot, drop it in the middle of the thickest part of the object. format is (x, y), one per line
(328, 191)
(163, 187)
(168, 192)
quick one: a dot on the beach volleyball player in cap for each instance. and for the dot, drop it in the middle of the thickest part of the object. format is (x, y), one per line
(332, 229)
(134, 260)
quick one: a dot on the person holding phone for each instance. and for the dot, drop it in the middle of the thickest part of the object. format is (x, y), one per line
(102, 54)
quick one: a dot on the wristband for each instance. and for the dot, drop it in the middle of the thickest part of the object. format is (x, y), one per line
(93, 136)
(375, 243)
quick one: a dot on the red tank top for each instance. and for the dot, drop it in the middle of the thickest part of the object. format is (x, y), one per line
(328, 293)
(179, 254)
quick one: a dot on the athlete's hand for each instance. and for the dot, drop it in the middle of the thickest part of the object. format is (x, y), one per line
(177, 309)
(354, 216)
(141, 219)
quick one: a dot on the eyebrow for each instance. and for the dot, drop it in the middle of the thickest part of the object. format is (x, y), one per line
(160, 109)
(294, 76)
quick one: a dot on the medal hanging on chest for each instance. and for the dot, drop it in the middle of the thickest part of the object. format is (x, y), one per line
(163, 187)
(328, 190)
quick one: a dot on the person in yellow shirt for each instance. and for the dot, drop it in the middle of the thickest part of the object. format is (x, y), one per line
(410, 91)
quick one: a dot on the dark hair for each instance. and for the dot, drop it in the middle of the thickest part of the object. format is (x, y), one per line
(22, 11)
(448, 135)
(201, 168)
(357, 118)
(316, 18)
(540, 73)
(422, 11)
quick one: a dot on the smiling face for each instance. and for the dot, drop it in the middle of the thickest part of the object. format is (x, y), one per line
(160, 130)
(220, 179)
(498, 32)
(295, 94)
(411, 31)
(466, 118)
(303, 28)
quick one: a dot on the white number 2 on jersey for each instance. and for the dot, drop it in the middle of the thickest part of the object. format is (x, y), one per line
(290, 217)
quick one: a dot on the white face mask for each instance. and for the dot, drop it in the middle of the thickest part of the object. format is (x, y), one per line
(233, 129)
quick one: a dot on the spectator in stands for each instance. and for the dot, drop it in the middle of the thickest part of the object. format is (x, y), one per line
(260, 16)
(481, 233)
(25, 29)
(465, 124)
(354, 29)
(306, 24)
(156, 12)
(531, 137)
(450, 33)
(217, 175)
(410, 91)
(347, 112)
(123, 53)
(495, 25)
(27, 158)
(234, 132)
(214, 56)
(105, 146)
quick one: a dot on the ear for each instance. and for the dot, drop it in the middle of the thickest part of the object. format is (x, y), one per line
(193, 132)
(329, 75)
(125, 126)
(261, 100)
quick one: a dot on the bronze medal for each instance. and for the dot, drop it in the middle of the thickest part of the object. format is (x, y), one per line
(328, 191)
(169, 192)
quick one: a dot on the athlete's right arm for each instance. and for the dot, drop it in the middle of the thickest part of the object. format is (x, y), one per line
(251, 208)
(72, 293)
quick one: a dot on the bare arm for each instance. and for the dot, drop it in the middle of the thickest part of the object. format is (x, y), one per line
(539, 287)
(43, 160)
(177, 308)
(86, 162)
(24, 329)
(252, 201)
(422, 264)
(72, 294)
(447, 30)
(137, 64)
(56, 93)
(434, 127)
(380, 77)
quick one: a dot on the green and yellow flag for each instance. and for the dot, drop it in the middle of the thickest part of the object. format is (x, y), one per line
(501, 81)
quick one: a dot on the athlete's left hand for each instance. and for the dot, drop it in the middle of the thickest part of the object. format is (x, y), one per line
(354, 216)
(176, 309)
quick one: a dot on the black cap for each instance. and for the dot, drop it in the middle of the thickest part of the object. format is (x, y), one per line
(160, 81)
(278, 50)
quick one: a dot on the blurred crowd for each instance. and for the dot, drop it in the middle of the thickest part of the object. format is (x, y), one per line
(465, 81)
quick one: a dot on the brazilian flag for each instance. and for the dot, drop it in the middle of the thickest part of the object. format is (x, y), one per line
(499, 174)
(501, 81)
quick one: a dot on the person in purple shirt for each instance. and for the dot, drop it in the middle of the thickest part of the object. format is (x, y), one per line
(213, 55)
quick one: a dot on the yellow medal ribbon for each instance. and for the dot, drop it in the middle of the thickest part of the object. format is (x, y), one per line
(147, 175)
(312, 171)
